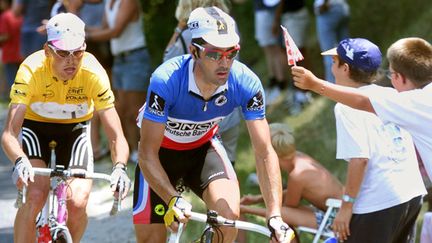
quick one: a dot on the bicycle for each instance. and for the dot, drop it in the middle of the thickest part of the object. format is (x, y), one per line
(51, 222)
(213, 222)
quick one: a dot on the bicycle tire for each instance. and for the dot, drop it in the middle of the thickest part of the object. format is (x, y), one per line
(63, 236)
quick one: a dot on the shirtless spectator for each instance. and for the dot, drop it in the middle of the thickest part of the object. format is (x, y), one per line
(307, 179)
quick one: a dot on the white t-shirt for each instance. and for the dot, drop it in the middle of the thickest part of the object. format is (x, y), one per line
(132, 36)
(411, 110)
(392, 175)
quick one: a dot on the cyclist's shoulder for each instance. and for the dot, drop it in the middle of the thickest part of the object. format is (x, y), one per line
(175, 64)
(36, 61)
(91, 66)
(242, 74)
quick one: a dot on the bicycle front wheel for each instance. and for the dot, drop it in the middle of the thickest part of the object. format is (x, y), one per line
(207, 236)
(62, 236)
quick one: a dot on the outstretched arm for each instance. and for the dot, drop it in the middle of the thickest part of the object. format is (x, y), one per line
(305, 79)
(253, 210)
(267, 166)
(251, 199)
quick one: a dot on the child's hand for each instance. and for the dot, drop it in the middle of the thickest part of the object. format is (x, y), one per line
(305, 79)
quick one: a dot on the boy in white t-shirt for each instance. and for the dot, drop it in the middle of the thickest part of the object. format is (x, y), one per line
(378, 203)
(410, 71)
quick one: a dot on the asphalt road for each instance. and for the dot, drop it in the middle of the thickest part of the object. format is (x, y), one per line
(8, 193)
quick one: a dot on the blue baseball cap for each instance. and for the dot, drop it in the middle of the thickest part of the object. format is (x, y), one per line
(358, 52)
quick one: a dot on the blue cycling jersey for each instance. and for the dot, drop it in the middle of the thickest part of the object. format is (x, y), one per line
(174, 99)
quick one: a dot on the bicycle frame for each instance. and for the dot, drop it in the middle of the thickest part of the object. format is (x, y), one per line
(53, 216)
(51, 221)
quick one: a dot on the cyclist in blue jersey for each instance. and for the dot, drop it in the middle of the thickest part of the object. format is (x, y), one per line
(188, 96)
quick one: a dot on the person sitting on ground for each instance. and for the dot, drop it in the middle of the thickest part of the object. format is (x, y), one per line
(307, 179)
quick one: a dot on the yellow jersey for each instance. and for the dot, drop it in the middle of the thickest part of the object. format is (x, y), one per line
(49, 99)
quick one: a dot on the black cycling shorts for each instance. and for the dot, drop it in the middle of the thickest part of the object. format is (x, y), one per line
(73, 147)
(196, 168)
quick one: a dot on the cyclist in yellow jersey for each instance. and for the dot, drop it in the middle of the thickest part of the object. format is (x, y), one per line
(53, 97)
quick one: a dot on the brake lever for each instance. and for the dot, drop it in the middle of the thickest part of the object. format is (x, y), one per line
(116, 207)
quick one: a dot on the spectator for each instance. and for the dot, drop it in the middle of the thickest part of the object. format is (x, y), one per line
(34, 13)
(178, 45)
(10, 33)
(294, 16)
(409, 105)
(332, 17)
(378, 205)
(123, 26)
(92, 15)
(307, 179)
(270, 43)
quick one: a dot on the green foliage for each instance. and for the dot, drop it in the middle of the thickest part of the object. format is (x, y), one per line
(159, 24)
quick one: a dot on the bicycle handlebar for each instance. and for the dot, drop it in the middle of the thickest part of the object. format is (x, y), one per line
(70, 174)
(243, 225)
(21, 198)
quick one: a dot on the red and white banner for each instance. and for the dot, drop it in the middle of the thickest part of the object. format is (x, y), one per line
(293, 53)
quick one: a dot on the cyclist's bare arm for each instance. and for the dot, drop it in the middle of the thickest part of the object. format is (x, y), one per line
(113, 129)
(258, 198)
(267, 166)
(10, 143)
(305, 79)
(151, 138)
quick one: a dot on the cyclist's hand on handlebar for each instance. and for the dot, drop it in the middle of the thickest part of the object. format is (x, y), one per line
(120, 181)
(177, 208)
(22, 172)
(280, 231)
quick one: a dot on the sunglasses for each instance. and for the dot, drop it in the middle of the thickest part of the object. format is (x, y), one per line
(63, 53)
(217, 55)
